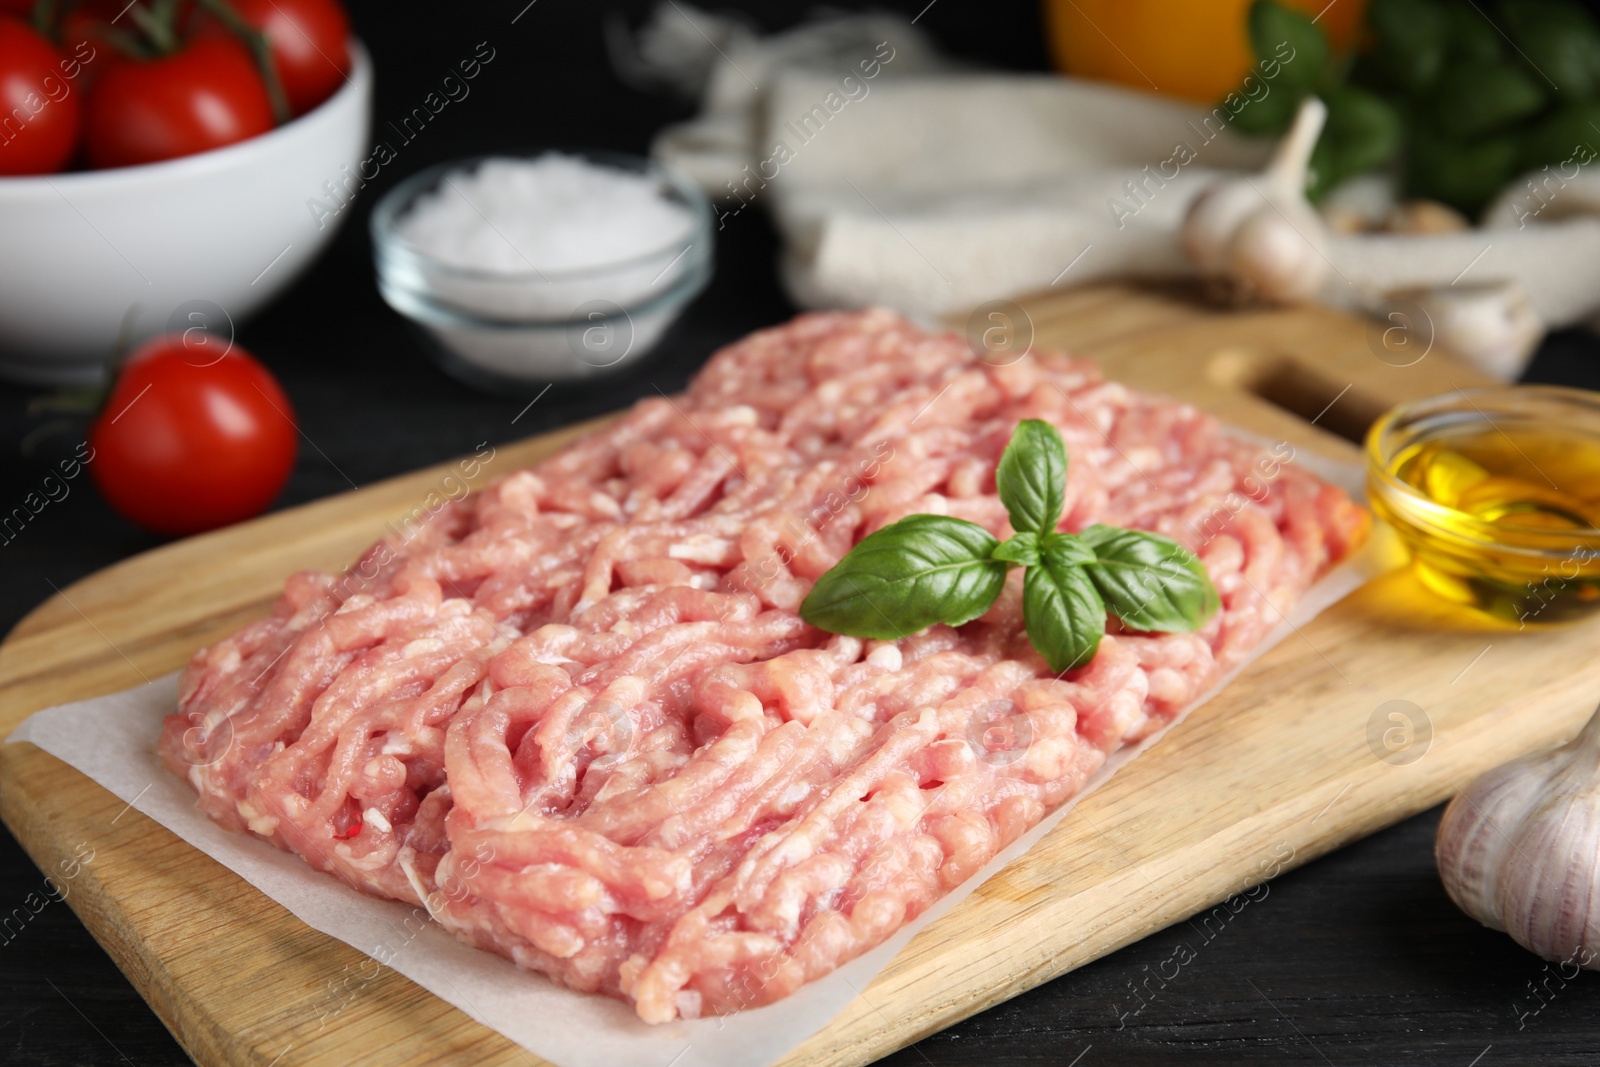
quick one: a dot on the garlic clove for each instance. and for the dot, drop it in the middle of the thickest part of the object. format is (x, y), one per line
(1545, 893)
(1416, 218)
(1214, 217)
(1359, 204)
(1490, 324)
(1279, 261)
(1470, 840)
(1257, 237)
(1519, 850)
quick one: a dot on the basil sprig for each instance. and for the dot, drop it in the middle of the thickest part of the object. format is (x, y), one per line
(928, 569)
(909, 575)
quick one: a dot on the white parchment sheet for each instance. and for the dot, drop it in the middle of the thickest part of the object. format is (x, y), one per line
(112, 739)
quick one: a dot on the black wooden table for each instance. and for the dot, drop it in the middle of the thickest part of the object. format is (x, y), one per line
(1357, 958)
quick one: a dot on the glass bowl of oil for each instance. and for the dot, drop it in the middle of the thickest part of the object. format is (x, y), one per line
(1496, 492)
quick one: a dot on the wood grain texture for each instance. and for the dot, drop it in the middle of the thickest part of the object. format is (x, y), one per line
(1273, 772)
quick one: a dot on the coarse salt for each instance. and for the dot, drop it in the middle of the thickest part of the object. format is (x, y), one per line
(553, 213)
(551, 267)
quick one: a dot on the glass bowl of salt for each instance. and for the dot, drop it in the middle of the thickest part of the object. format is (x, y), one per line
(524, 270)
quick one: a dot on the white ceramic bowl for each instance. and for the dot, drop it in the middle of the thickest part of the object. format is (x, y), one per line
(96, 260)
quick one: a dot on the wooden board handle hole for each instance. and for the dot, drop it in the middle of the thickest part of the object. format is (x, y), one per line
(1285, 382)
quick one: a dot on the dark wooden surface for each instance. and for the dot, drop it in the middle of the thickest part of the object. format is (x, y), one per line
(1357, 958)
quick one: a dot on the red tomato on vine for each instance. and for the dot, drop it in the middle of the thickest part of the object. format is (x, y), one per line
(40, 114)
(196, 434)
(308, 41)
(205, 95)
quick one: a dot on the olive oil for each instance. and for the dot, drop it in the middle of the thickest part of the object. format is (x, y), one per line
(1507, 519)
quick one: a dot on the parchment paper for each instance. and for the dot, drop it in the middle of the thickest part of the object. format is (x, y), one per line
(112, 739)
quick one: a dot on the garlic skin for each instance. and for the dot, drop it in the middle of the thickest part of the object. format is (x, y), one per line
(1257, 238)
(1519, 850)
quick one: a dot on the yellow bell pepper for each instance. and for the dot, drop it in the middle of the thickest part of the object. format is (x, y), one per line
(1195, 49)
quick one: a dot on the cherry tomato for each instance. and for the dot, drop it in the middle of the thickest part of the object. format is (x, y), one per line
(309, 43)
(86, 31)
(20, 8)
(195, 435)
(203, 96)
(38, 103)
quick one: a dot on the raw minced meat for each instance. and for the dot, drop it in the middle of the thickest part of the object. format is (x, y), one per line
(578, 717)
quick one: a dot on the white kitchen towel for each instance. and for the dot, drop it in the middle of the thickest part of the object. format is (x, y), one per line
(895, 179)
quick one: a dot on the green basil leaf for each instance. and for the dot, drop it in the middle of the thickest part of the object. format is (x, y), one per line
(1362, 132)
(1413, 39)
(1559, 41)
(1470, 35)
(1067, 549)
(1149, 581)
(1063, 612)
(1280, 33)
(1032, 477)
(922, 570)
(1568, 133)
(1476, 99)
(1467, 175)
(1265, 116)
(1023, 549)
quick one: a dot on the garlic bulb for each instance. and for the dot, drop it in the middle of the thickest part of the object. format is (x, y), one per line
(1491, 325)
(1359, 204)
(1519, 850)
(1256, 238)
(1423, 218)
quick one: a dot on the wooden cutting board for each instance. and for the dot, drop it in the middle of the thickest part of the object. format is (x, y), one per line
(1277, 770)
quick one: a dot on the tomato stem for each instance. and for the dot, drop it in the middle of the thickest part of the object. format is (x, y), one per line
(156, 29)
(84, 401)
(256, 41)
(44, 12)
(126, 43)
(49, 18)
(29, 445)
(156, 24)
